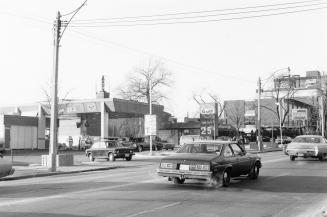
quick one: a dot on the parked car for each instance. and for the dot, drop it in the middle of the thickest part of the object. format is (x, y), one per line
(110, 150)
(143, 143)
(286, 140)
(214, 161)
(5, 167)
(307, 146)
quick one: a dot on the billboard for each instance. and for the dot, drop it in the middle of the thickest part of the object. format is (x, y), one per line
(299, 114)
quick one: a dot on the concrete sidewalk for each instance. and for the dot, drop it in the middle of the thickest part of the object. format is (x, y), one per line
(27, 163)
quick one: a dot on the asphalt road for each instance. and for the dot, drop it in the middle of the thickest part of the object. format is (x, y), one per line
(284, 188)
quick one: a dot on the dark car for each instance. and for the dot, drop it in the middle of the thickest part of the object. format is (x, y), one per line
(142, 144)
(110, 150)
(213, 161)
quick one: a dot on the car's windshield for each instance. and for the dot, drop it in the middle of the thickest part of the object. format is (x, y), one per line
(201, 148)
(307, 140)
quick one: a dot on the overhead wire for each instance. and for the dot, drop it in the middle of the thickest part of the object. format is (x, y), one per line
(199, 21)
(197, 12)
(194, 68)
(202, 16)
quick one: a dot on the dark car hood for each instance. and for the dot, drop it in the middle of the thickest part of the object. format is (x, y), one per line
(192, 157)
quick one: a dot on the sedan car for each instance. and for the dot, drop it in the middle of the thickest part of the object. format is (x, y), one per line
(110, 150)
(143, 144)
(213, 161)
(5, 167)
(307, 146)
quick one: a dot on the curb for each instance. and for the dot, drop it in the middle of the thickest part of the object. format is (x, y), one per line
(57, 173)
(264, 151)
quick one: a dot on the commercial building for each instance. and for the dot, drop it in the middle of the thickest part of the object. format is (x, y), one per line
(27, 126)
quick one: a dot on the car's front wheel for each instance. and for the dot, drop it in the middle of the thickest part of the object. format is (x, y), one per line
(177, 180)
(254, 173)
(292, 158)
(128, 158)
(111, 157)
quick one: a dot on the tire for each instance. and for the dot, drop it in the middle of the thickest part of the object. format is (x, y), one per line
(91, 158)
(292, 158)
(178, 181)
(321, 157)
(140, 148)
(111, 157)
(128, 158)
(225, 178)
(254, 173)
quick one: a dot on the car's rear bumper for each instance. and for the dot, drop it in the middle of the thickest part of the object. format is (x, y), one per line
(302, 152)
(203, 175)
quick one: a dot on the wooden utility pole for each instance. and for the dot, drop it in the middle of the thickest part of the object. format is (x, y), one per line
(259, 117)
(54, 99)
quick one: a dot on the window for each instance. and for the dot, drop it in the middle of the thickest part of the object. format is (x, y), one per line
(228, 152)
(96, 145)
(102, 145)
(237, 150)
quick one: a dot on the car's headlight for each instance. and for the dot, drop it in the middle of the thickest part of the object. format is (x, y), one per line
(130, 151)
(166, 165)
(316, 150)
(204, 167)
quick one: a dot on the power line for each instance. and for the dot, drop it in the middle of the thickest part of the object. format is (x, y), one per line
(201, 21)
(202, 16)
(194, 68)
(196, 12)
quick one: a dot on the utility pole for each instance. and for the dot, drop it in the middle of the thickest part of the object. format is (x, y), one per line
(322, 115)
(150, 104)
(259, 116)
(54, 99)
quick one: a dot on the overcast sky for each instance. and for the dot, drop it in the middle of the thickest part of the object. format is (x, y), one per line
(224, 57)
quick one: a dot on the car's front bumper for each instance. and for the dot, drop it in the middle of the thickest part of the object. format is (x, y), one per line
(202, 175)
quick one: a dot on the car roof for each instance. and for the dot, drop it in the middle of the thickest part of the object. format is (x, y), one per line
(212, 142)
(306, 136)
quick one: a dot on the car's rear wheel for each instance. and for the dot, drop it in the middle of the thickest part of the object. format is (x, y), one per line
(91, 158)
(128, 158)
(292, 158)
(111, 157)
(177, 180)
(225, 178)
(140, 148)
(254, 173)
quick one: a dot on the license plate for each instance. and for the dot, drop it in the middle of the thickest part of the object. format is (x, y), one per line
(126, 155)
(300, 154)
(184, 167)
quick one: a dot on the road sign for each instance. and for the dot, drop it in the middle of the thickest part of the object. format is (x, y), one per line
(150, 125)
(299, 114)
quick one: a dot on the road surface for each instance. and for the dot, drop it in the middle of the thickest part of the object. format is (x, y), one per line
(284, 188)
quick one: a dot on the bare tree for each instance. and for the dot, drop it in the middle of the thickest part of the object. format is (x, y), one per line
(236, 115)
(282, 92)
(138, 83)
(62, 101)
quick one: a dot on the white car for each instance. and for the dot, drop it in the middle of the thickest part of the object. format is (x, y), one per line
(307, 146)
(5, 167)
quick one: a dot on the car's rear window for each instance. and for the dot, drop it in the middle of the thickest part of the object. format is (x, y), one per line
(204, 148)
(307, 140)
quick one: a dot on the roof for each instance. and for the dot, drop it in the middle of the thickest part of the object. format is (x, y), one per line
(307, 136)
(212, 142)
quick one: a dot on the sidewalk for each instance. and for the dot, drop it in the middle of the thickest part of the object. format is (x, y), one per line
(27, 163)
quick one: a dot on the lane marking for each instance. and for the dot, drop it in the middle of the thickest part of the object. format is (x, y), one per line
(154, 209)
(38, 199)
(275, 160)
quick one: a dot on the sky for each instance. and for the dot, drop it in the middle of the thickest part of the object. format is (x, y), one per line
(223, 57)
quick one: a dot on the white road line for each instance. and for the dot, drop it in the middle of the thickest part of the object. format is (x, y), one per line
(154, 209)
(38, 199)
